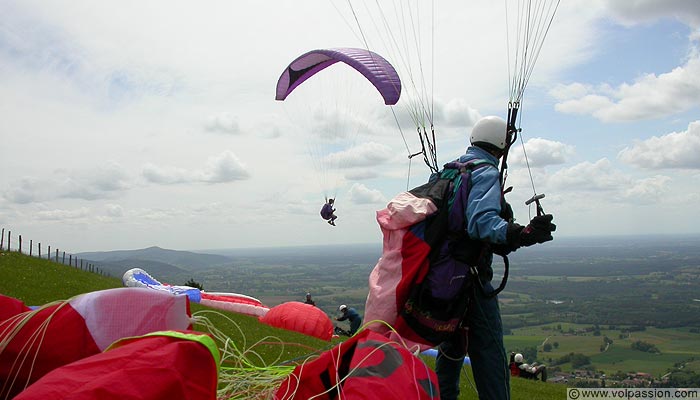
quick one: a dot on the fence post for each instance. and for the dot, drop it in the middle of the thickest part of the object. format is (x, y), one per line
(63, 260)
(39, 249)
(20, 244)
(70, 260)
(31, 247)
(2, 239)
(48, 253)
(9, 240)
(81, 264)
(56, 255)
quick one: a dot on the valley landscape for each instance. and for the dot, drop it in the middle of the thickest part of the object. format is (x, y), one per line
(593, 309)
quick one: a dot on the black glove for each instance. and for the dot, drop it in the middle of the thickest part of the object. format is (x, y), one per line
(512, 240)
(539, 230)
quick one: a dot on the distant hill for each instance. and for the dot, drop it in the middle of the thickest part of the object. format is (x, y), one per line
(166, 273)
(168, 266)
(182, 259)
(326, 254)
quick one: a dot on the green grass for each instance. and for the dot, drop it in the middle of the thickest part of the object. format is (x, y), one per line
(39, 281)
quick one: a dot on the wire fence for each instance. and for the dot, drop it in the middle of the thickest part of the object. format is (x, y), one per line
(8, 242)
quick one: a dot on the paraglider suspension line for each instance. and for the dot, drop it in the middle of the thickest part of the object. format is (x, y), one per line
(429, 153)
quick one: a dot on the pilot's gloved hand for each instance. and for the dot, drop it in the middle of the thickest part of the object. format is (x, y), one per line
(539, 230)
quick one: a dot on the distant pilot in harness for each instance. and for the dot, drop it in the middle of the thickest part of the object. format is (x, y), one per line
(328, 212)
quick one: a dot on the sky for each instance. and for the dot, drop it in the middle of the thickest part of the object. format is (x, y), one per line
(130, 124)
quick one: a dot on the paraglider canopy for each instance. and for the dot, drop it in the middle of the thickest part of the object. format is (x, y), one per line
(300, 317)
(373, 66)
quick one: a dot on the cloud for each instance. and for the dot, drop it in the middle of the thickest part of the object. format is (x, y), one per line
(592, 183)
(648, 190)
(641, 11)
(24, 191)
(223, 123)
(650, 96)
(59, 215)
(114, 210)
(361, 175)
(226, 167)
(459, 113)
(165, 175)
(364, 155)
(101, 182)
(674, 150)
(97, 183)
(542, 152)
(588, 177)
(361, 194)
(31, 42)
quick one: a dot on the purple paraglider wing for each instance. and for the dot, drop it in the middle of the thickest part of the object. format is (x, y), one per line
(373, 66)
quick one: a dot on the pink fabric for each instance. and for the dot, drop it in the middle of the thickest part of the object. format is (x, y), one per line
(58, 334)
(396, 268)
(117, 313)
(241, 308)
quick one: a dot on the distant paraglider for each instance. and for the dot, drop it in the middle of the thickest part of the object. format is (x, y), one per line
(332, 110)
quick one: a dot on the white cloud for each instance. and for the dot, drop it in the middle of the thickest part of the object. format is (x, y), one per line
(114, 210)
(361, 175)
(333, 124)
(650, 96)
(648, 190)
(571, 91)
(459, 113)
(159, 214)
(223, 123)
(542, 152)
(104, 181)
(600, 183)
(58, 215)
(364, 155)
(674, 150)
(225, 167)
(164, 175)
(586, 176)
(26, 190)
(361, 194)
(640, 11)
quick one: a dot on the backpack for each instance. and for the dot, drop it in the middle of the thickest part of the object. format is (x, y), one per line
(438, 299)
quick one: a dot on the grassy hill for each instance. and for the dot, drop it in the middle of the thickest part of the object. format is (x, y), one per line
(39, 281)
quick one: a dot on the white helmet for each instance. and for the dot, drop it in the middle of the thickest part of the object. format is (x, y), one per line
(342, 307)
(518, 358)
(491, 131)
